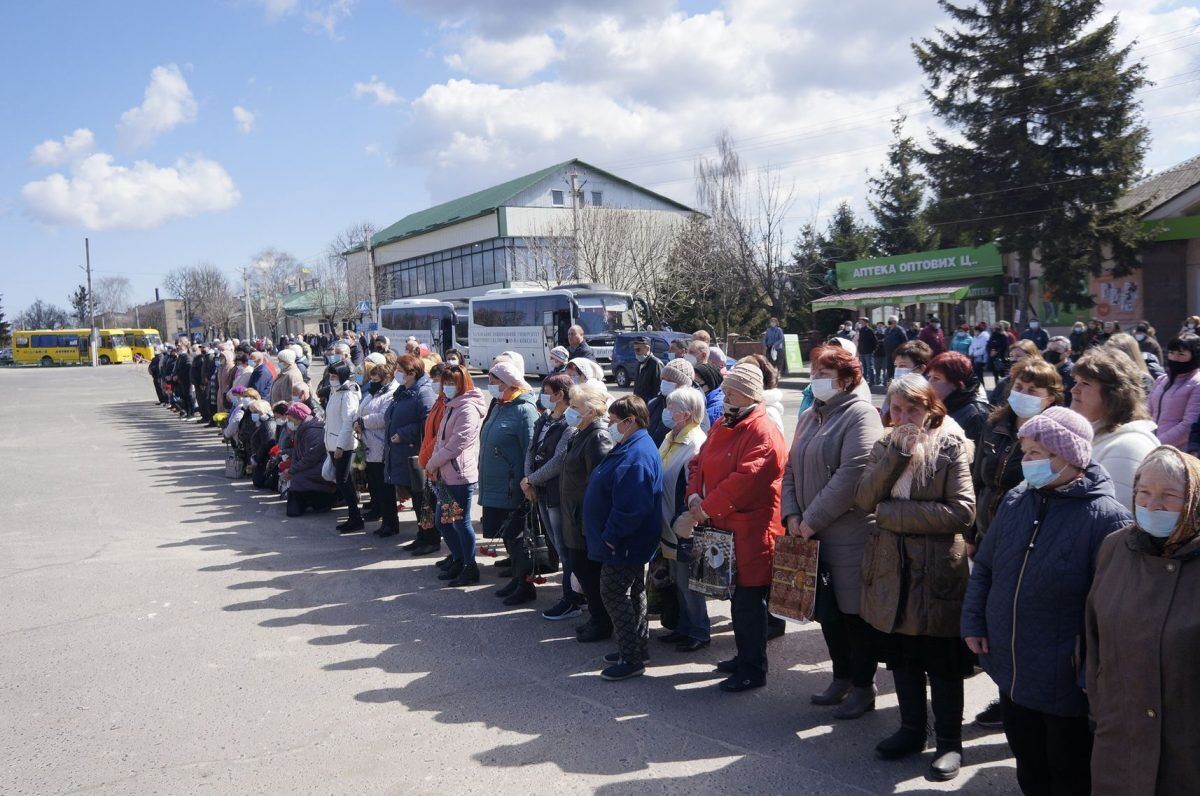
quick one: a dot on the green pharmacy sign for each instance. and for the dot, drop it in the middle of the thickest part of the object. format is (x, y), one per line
(907, 269)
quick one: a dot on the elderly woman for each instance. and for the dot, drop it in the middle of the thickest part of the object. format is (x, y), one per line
(828, 454)
(1024, 609)
(289, 377)
(682, 414)
(507, 432)
(308, 489)
(1175, 400)
(585, 370)
(262, 439)
(1108, 393)
(559, 356)
(454, 466)
(734, 485)
(675, 374)
(1143, 637)
(918, 485)
(543, 465)
(586, 413)
(302, 394)
(404, 429)
(709, 380)
(344, 398)
(621, 522)
(372, 425)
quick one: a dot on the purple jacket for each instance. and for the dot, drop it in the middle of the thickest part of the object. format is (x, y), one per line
(456, 451)
(1175, 409)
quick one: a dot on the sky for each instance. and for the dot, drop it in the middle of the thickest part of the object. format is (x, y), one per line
(177, 133)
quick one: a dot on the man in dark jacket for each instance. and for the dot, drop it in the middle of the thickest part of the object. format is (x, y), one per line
(1145, 340)
(577, 345)
(866, 343)
(308, 490)
(933, 336)
(183, 381)
(155, 371)
(893, 338)
(1036, 334)
(649, 372)
(261, 379)
(199, 382)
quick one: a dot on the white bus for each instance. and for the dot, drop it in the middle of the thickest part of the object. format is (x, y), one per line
(441, 325)
(531, 322)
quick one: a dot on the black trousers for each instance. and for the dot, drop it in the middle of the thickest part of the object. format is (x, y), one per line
(184, 393)
(748, 607)
(162, 396)
(587, 572)
(297, 502)
(1053, 753)
(345, 483)
(383, 496)
(947, 703)
(623, 589)
(202, 403)
(849, 639)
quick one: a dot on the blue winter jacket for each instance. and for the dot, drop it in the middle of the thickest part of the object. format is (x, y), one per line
(406, 419)
(623, 503)
(714, 405)
(1028, 590)
(503, 441)
(261, 380)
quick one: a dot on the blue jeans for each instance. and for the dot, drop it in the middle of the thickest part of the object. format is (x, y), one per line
(868, 367)
(693, 608)
(552, 521)
(459, 535)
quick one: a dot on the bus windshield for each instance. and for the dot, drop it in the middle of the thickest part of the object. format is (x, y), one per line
(113, 341)
(601, 313)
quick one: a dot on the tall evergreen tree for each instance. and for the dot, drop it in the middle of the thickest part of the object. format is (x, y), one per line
(897, 199)
(846, 238)
(5, 326)
(1049, 136)
(79, 306)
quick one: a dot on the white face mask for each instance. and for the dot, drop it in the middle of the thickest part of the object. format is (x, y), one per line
(452, 361)
(902, 372)
(691, 359)
(824, 389)
(1024, 405)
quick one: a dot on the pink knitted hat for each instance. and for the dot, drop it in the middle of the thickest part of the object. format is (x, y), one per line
(299, 411)
(1064, 433)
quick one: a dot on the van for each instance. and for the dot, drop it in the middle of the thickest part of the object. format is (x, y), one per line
(625, 364)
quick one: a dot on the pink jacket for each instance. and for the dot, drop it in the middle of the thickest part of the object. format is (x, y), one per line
(1176, 409)
(456, 451)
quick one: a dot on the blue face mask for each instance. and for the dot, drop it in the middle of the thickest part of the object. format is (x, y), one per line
(666, 387)
(332, 359)
(1038, 472)
(668, 418)
(1024, 405)
(494, 390)
(449, 390)
(1159, 524)
(641, 357)
(572, 417)
(545, 401)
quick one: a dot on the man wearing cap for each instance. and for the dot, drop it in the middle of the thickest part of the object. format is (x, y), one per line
(308, 489)
(649, 371)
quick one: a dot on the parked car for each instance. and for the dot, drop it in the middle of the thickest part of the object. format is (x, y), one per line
(625, 364)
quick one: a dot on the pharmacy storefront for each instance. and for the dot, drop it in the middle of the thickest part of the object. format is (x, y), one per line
(958, 285)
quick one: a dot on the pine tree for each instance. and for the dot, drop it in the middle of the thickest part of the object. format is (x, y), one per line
(1048, 136)
(846, 238)
(5, 326)
(897, 199)
(79, 306)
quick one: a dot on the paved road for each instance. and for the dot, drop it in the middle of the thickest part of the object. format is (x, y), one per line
(165, 630)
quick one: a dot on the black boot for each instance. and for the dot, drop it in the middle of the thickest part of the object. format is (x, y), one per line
(857, 703)
(467, 576)
(902, 743)
(508, 588)
(524, 593)
(947, 762)
(445, 562)
(833, 694)
(453, 571)
(352, 525)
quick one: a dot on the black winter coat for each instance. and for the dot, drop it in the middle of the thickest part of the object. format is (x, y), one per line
(406, 418)
(649, 378)
(308, 456)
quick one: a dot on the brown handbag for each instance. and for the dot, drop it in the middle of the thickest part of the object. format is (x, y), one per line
(794, 578)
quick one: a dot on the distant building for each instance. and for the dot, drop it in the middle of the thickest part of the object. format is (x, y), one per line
(166, 315)
(488, 239)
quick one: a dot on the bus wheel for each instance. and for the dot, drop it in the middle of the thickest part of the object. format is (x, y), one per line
(47, 362)
(622, 377)
(104, 360)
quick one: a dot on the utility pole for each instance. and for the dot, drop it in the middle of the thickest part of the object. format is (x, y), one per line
(370, 274)
(94, 343)
(249, 327)
(576, 200)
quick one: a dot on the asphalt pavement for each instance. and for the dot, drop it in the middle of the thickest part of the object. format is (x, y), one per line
(166, 630)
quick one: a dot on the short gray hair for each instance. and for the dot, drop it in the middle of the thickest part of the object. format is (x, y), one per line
(1058, 338)
(687, 399)
(341, 348)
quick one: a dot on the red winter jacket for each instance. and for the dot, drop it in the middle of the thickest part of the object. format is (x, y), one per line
(738, 473)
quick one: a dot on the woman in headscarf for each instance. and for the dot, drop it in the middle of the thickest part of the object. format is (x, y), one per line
(344, 398)
(709, 380)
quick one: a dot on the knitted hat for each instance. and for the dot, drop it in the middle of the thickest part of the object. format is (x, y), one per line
(507, 373)
(376, 358)
(1063, 432)
(747, 379)
(679, 372)
(299, 412)
(589, 368)
(710, 376)
(287, 356)
(560, 353)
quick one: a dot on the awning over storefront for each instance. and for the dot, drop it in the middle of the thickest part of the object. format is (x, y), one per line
(986, 288)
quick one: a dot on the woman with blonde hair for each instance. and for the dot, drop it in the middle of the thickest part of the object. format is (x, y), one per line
(1016, 352)
(1128, 346)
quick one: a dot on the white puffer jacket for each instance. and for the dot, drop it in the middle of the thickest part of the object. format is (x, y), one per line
(340, 416)
(373, 414)
(1120, 452)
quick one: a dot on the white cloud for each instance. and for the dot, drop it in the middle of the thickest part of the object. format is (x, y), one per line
(168, 103)
(324, 17)
(244, 118)
(100, 195)
(509, 61)
(382, 92)
(278, 8)
(55, 153)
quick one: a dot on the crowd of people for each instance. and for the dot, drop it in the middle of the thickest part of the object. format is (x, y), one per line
(1042, 531)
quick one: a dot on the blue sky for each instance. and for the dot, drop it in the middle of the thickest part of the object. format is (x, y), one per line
(357, 110)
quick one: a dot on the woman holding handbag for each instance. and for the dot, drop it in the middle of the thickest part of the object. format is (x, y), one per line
(918, 485)
(734, 485)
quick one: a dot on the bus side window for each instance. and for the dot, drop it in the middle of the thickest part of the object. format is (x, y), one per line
(21, 342)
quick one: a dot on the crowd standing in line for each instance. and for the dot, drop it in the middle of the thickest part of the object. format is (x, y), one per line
(1044, 532)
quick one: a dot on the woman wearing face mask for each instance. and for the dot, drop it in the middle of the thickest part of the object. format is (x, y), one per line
(586, 412)
(1175, 400)
(505, 438)
(675, 374)
(735, 484)
(455, 357)
(1081, 340)
(953, 379)
(682, 414)
(262, 439)
(1191, 325)
(404, 429)
(1108, 393)
(1128, 346)
(372, 426)
(247, 424)
(1024, 610)
(559, 356)
(308, 490)
(543, 464)
(226, 369)
(828, 454)
(621, 518)
(585, 370)
(454, 466)
(709, 381)
(342, 411)
(1018, 351)
(917, 484)
(1143, 635)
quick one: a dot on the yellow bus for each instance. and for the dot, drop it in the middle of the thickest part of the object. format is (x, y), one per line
(142, 341)
(68, 347)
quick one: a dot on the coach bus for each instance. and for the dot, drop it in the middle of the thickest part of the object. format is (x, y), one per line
(142, 342)
(441, 325)
(532, 321)
(68, 347)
